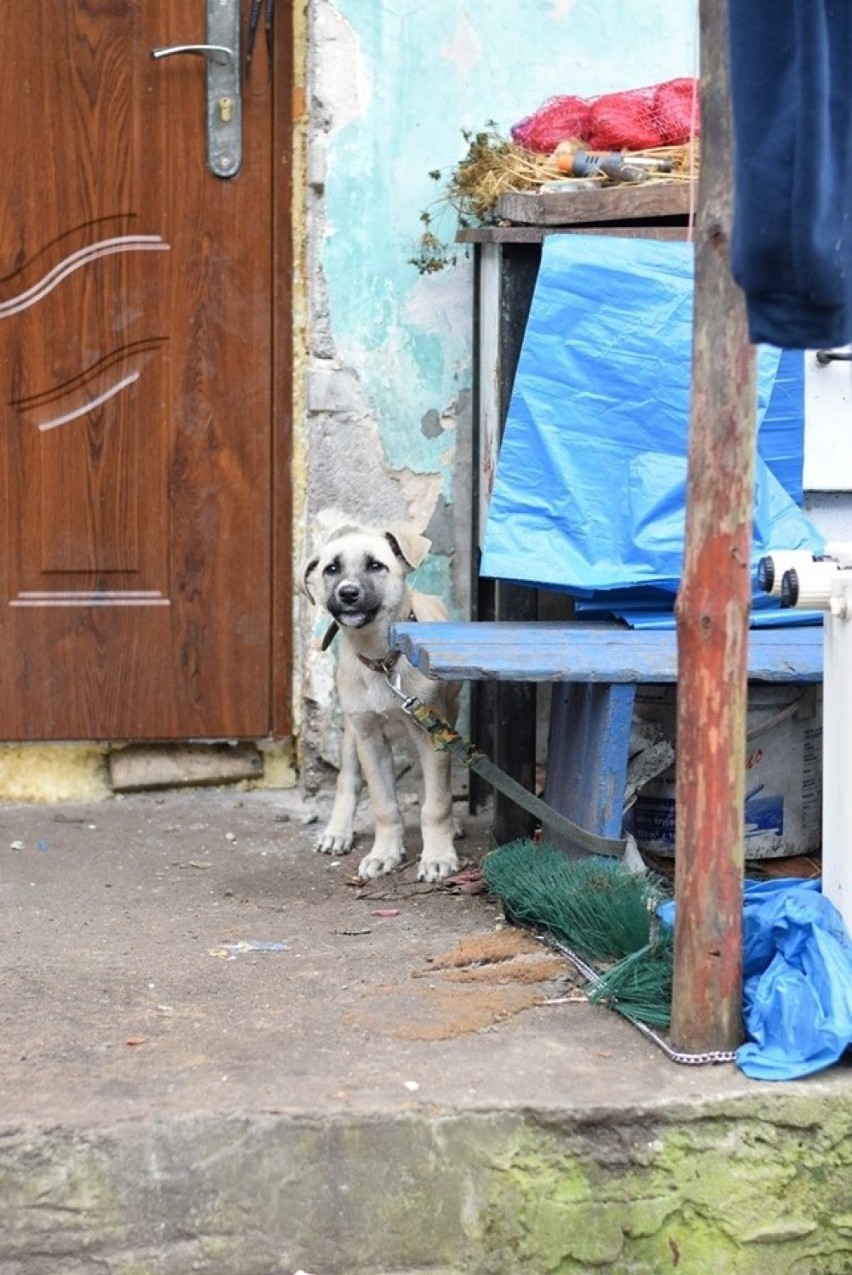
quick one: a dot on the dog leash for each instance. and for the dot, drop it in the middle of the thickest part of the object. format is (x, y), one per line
(446, 739)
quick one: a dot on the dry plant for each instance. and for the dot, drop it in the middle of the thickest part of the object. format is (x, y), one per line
(495, 166)
(491, 167)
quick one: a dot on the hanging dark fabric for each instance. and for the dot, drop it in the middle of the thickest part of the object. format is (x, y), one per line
(791, 248)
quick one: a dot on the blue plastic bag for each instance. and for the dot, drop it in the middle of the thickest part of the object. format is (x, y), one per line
(590, 487)
(797, 979)
(797, 993)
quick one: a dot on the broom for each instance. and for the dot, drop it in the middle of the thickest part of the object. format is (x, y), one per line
(600, 910)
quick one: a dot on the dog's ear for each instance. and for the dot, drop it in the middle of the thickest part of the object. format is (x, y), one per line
(306, 575)
(408, 545)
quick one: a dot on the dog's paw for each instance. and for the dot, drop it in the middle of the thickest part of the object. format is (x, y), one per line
(436, 865)
(378, 863)
(331, 842)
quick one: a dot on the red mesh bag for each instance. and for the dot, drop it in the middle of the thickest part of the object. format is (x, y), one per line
(559, 118)
(673, 108)
(624, 121)
(639, 119)
(635, 119)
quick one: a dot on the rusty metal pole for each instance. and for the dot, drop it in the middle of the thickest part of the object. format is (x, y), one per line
(713, 603)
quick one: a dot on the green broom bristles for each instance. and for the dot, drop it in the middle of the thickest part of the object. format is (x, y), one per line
(598, 908)
(593, 904)
(640, 985)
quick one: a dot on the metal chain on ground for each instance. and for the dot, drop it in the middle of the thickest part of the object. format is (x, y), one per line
(673, 1055)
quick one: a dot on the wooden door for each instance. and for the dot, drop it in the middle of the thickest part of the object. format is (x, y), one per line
(138, 364)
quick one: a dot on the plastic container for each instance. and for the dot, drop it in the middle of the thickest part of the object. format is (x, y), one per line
(783, 788)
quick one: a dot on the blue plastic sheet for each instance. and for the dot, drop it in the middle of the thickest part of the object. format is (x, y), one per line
(590, 487)
(797, 980)
(797, 994)
(781, 437)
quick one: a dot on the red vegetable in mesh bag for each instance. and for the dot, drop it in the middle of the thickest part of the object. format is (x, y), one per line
(634, 119)
(637, 119)
(673, 107)
(559, 118)
(624, 121)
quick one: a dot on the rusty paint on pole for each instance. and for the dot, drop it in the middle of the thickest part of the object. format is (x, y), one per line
(713, 602)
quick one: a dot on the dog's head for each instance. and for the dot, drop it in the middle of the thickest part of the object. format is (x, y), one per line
(360, 573)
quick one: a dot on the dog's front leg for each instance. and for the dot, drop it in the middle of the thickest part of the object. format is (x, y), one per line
(438, 859)
(339, 832)
(376, 757)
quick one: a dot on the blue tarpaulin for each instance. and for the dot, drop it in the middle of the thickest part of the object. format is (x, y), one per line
(590, 487)
(797, 971)
(797, 979)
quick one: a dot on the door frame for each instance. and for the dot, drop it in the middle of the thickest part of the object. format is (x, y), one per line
(285, 79)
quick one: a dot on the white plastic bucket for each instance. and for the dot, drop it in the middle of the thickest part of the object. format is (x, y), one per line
(783, 801)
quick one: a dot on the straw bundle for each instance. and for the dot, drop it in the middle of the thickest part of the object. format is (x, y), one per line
(495, 166)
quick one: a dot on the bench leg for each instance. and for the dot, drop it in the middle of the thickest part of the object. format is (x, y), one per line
(514, 721)
(514, 752)
(587, 752)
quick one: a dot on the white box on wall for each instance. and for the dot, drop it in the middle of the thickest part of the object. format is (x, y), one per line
(827, 474)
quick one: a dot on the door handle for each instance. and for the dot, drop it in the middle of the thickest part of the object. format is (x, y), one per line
(224, 104)
(216, 52)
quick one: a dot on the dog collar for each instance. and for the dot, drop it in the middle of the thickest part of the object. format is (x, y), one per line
(381, 666)
(378, 666)
(385, 665)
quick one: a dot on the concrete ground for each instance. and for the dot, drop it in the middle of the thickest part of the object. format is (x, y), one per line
(221, 1053)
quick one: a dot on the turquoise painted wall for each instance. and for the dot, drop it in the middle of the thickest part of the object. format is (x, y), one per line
(424, 73)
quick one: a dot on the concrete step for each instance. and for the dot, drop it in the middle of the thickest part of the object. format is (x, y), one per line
(219, 1055)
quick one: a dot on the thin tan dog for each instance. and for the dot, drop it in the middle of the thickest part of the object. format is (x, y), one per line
(362, 574)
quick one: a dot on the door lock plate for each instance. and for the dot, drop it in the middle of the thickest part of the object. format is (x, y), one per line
(224, 108)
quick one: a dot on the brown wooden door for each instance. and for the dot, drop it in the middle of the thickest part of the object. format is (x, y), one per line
(137, 368)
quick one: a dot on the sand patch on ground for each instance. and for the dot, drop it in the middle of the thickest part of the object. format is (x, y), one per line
(483, 980)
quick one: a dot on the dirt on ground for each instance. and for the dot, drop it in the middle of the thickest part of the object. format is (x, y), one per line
(186, 950)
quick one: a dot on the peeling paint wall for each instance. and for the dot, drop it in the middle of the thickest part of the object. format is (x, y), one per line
(391, 90)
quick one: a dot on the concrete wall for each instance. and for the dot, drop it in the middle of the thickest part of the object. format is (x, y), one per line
(387, 375)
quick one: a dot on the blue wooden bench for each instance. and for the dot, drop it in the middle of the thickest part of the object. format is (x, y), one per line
(595, 669)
